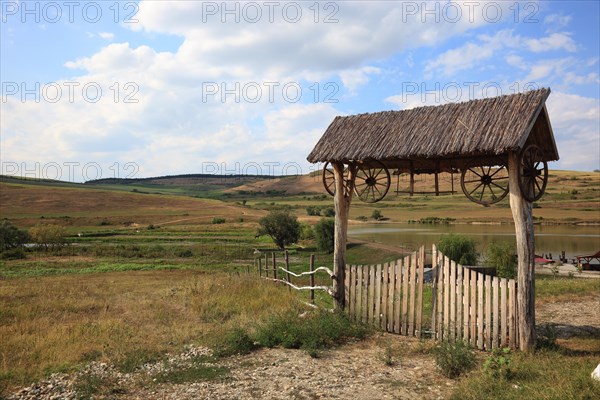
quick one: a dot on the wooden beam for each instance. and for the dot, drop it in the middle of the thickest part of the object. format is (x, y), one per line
(342, 199)
(523, 218)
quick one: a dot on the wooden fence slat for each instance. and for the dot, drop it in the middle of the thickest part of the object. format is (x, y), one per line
(359, 285)
(353, 291)
(365, 293)
(440, 297)
(371, 302)
(473, 314)
(412, 287)
(405, 289)
(378, 273)
(466, 306)
(480, 311)
(495, 311)
(488, 312)
(447, 290)
(397, 294)
(511, 313)
(453, 300)
(311, 265)
(459, 301)
(384, 294)
(434, 294)
(503, 312)
(420, 277)
(390, 298)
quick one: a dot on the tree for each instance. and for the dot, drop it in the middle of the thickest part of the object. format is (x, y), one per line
(324, 234)
(376, 215)
(502, 256)
(11, 237)
(459, 248)
(281, 226)
(48, 236)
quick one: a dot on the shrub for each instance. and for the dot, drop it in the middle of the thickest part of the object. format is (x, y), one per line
(376, 215)
(329, 212)
(48, 236)
(324, 234)
(11, 237)
(306, 232)
(218, 220)
(502, 257)
(454, 358)
(459, 248)
(236, 341)
(313, 210)
(361, 218)
(498, 363)
(281, 226)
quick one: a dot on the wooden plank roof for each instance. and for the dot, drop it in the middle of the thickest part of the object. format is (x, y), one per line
(476, 128)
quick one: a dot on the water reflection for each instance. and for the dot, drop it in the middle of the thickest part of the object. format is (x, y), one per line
(574, 240)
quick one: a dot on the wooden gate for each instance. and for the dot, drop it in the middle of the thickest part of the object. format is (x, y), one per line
(446, 301)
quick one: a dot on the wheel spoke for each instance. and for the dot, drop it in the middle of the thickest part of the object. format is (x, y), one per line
(473, 171)
(498, 170)
(482, 192)
(477, 187)
(498, 186)
(491, 191)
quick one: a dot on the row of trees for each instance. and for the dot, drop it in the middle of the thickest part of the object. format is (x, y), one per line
(13, 240)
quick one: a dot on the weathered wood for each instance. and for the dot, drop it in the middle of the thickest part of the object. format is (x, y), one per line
(453, 300)
(259, 267)
(420, 277)
(511, 313)
(405, 290)
(488, 312)
(266, 265)
(359, 288)
(365, 292)
(352, 299)
(384, 296)
(412, 285)
(390, 298)
(440, 297)
(503, 312)
(473, 314)
(287, 267)
(524, 233)
(480, 311)
(371, 302)
(447, 290)
(378, 279)
(434, 291)
(274, 262)
(495, 311)
(341, 200)
(311, 266)
(466, 307)
(459, 302)
(397, 298)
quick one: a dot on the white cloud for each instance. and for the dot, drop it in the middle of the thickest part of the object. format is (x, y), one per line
(556, 41)
(354, 78)
(557, 21)
(106, 35)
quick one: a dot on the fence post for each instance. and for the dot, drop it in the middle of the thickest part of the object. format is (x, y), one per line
(312, 278)
(274, 266)
(287, 268)
(266, 265)
(259, 267)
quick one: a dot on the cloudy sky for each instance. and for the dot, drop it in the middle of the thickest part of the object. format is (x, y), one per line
(148, 88)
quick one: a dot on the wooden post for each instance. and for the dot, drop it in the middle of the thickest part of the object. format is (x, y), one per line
(312, 278)
(266, 265)
(522, 216)
(274, 266)
(342, 206)
(287, 268)
(259, 267)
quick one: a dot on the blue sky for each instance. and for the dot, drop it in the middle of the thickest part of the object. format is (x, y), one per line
(106, 88)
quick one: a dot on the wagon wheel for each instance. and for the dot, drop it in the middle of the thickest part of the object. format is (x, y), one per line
(372, 183)
(329, 179)
(533, 173)
(485, 184)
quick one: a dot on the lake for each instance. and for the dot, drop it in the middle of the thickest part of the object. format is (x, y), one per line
(574, 240)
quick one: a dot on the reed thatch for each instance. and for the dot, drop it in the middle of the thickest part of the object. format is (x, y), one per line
(476, 129)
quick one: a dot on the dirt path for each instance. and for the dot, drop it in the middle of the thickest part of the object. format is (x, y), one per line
(579, 317)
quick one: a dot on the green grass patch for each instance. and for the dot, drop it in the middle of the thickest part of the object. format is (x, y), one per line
(548, 287)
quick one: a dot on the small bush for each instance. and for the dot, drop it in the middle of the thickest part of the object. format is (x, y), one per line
(236, 341)
(502, 256)
(324, 234)
(376, 215)
(11, 237)
(459, 248)
(306, 232)
(313, 210)
(498, 364)
(546, 337)
(329, 212)
(218, 220)
(13, 254)
(454, 358)
(48, 236)
(187, 253)
(361, 218)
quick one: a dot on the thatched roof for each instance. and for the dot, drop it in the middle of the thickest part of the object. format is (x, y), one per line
(457, 131)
